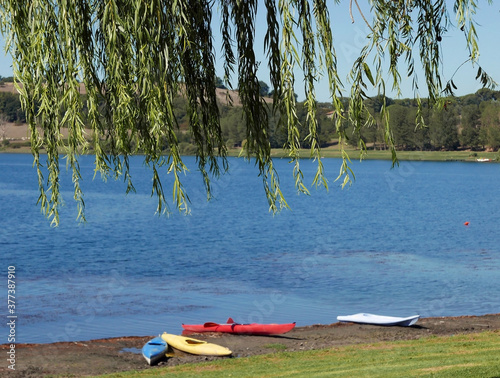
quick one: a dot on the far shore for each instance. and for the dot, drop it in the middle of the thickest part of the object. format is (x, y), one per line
(18, 142)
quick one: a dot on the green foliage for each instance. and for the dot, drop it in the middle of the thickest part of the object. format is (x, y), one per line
(10, 107)
(471, 126)
(135, 57)
(264, 89)
(443, 129)
(232, 125)
(4, 80)
(467, 124)
(490, 124)
(219, 83)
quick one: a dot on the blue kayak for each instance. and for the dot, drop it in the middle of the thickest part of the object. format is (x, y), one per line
(154, 350)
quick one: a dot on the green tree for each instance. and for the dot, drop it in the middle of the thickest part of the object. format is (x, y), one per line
(406, 135)
(490, 124)
(443, 129)
(4, 80)
(3, 125)
(400, 125)
(471, 124)
(135, 56)
(264, 89)
(219, 83)
(232, 126)
(10, 107)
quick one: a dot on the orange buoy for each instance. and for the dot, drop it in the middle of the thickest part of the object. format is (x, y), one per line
(466, 223)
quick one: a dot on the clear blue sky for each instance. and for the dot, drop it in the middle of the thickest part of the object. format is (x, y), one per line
(349, 39)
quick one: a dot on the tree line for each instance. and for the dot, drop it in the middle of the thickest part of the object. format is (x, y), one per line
(10, 106)
(467, 122)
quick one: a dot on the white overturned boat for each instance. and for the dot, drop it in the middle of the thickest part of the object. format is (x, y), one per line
(379, 319)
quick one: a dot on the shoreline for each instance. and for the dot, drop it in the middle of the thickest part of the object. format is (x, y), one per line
(303, 327)
(18, 138)
(330, 153)
(118, 354)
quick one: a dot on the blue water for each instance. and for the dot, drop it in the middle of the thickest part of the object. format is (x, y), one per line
(394, 243)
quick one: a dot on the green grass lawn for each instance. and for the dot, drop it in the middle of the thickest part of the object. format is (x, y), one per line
(402, 155)
(473, 355)
(333, 152)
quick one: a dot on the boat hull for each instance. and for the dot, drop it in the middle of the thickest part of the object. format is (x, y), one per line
(154, 350)
(364, 318)
(194, 346)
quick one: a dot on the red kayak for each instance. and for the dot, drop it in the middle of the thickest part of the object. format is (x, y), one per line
(241, 329)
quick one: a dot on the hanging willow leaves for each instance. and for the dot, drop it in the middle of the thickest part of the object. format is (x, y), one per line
(133, 57)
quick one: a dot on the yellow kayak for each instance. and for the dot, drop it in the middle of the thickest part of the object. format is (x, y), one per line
(194, 346)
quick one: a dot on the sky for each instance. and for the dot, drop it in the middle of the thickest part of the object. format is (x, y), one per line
(349, 38)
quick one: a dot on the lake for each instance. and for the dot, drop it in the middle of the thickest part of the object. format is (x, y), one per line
(394, 243)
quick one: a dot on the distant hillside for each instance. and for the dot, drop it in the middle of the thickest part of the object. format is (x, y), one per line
(8, 87)
(222, 94)
(470, 122)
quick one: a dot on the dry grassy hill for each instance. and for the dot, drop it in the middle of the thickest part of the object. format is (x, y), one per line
(19, 133)
(223, 95)
(8, 87)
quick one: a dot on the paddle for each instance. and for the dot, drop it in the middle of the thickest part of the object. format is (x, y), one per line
(212, 324)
